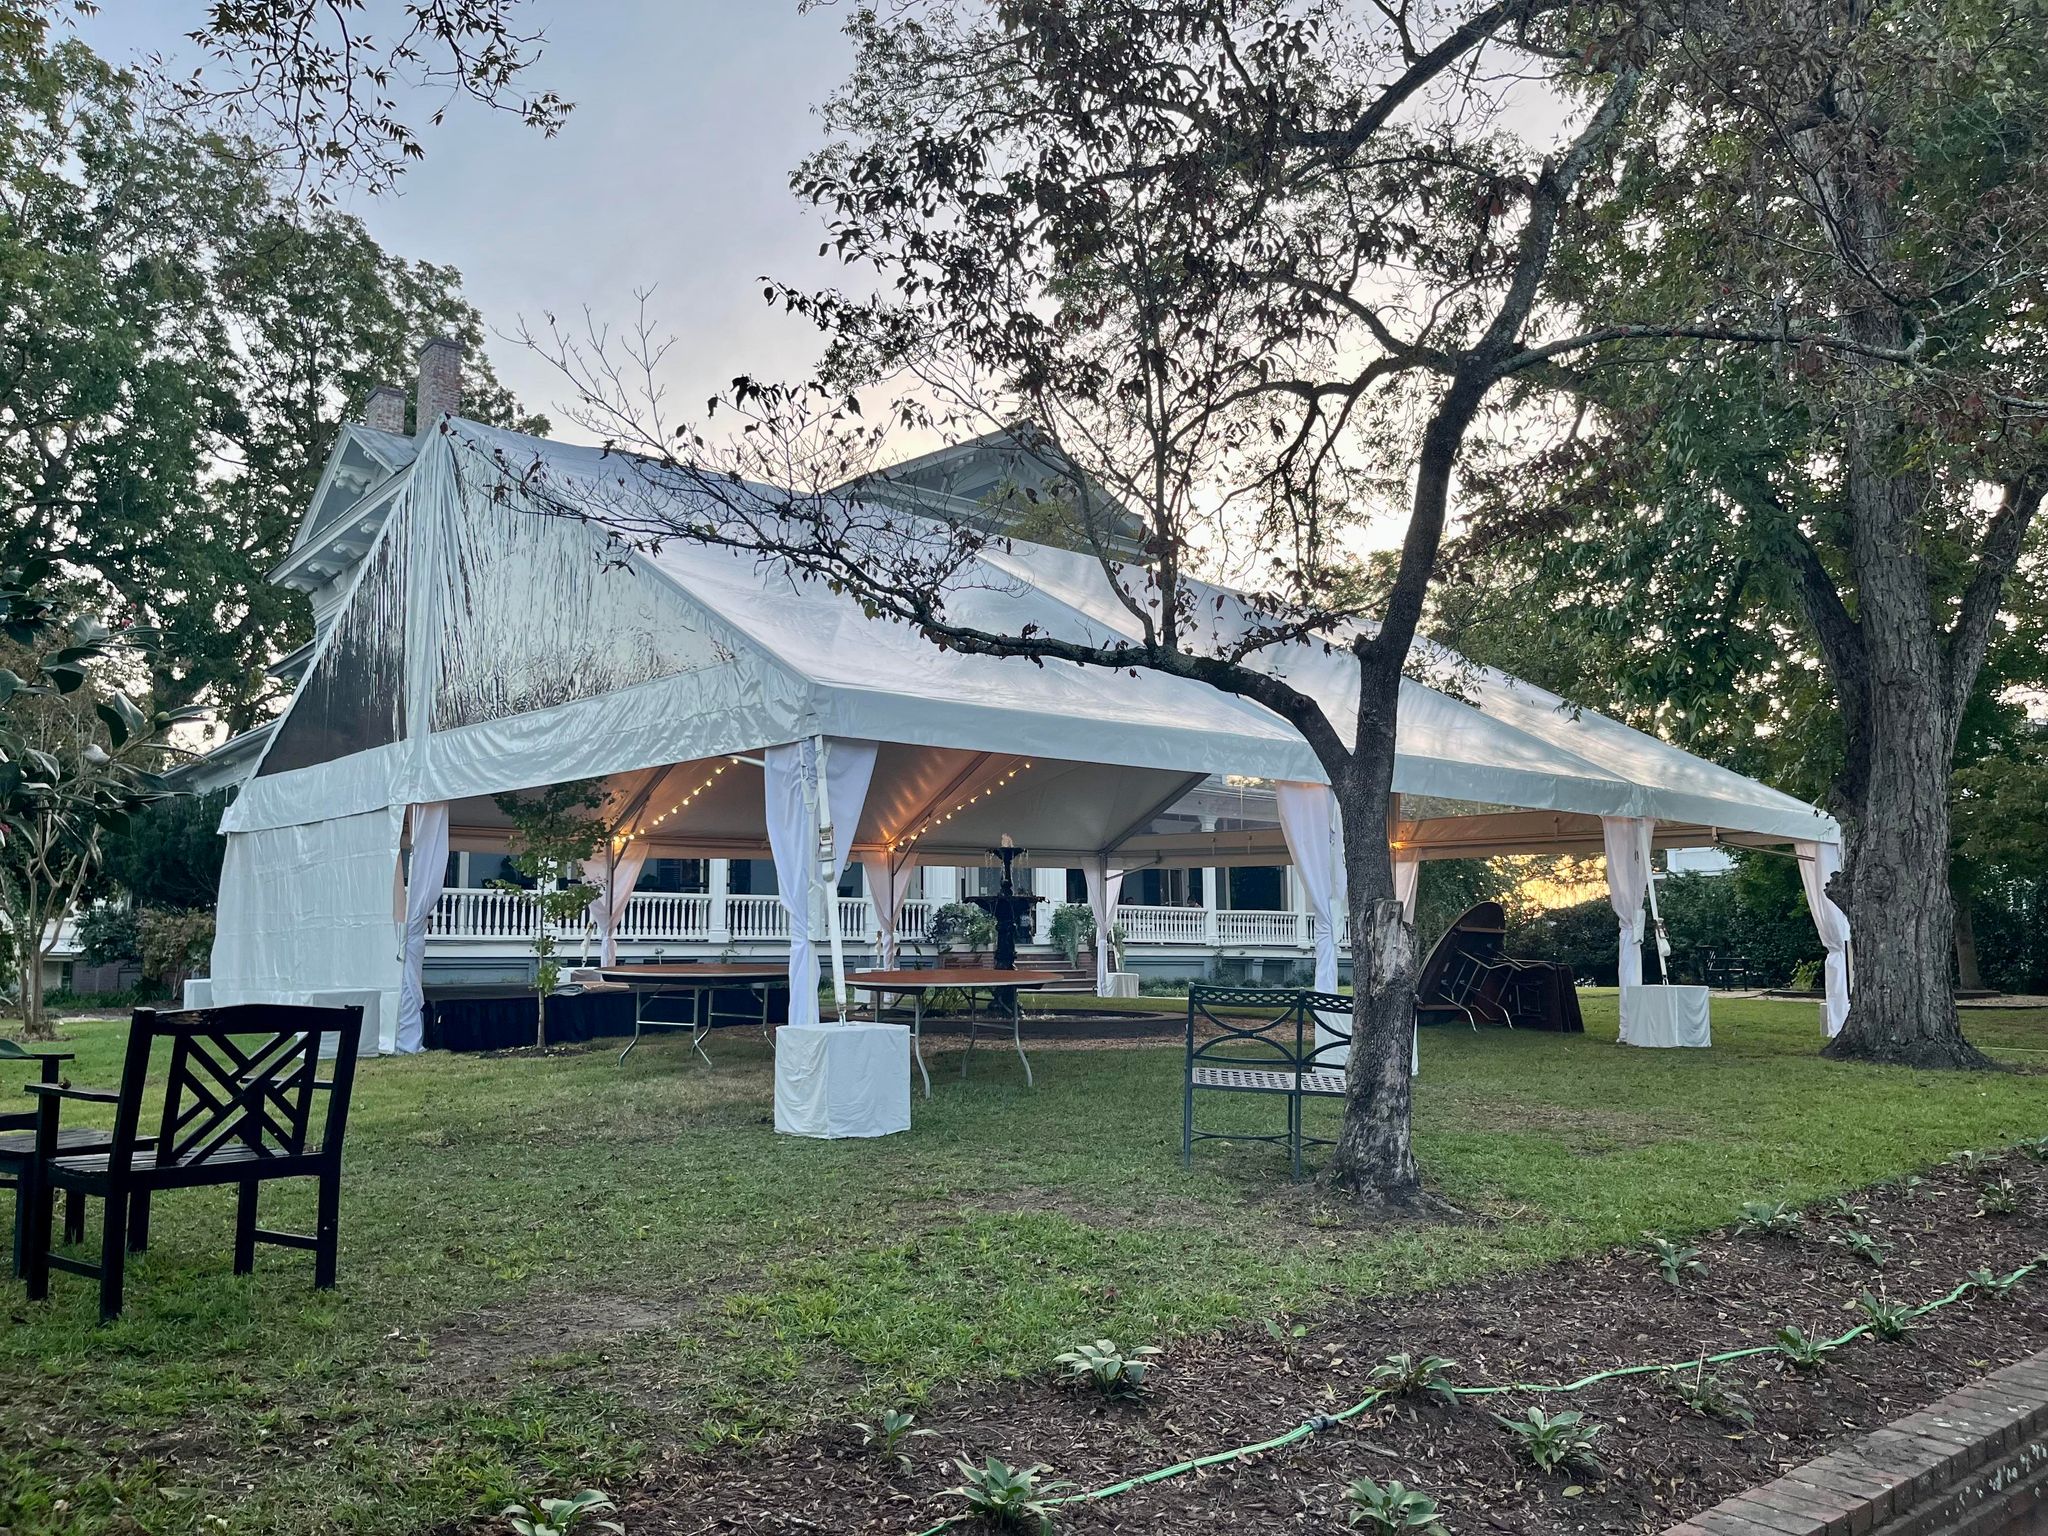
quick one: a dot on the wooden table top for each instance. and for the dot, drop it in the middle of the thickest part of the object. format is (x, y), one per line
(632, 975)
(939, 976)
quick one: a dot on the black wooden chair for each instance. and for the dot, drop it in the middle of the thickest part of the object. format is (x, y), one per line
(238, 1105)
(18, 1155)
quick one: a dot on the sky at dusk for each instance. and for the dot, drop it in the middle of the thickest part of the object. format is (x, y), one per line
(672, 174)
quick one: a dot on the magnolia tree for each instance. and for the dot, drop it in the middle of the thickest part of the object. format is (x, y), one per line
(78, 757)
(1256, 272)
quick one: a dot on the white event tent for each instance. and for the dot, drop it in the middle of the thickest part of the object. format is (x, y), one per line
(490, 644)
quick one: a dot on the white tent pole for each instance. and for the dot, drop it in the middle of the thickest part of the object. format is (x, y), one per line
(1656, 917)
(821, 797)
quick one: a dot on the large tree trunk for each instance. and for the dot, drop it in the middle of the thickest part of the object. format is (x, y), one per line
(1374, 1159)
(1896, 865)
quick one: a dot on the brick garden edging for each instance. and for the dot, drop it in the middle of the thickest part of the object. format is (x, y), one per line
(1973, 1464)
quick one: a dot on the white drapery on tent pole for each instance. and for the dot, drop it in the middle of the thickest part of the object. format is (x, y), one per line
(1105, 891)
(425, 875)
(888, 888)
(1407, 881)
(616, 876)
(1627, 840)
(1818, 864)
(1315, 842)
(810, 786)
(1308, 820)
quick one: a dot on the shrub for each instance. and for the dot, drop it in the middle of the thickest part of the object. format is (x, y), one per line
(960, 924)
(561, 1517)
(1675, 1263)
(1554, 1440)
(1107, 1369)
(175, 943)
(1391, 1508)
(110, 935)
(1004, 1495)
(1406, 1375)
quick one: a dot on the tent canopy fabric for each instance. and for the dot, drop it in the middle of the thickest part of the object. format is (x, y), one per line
(491, 645)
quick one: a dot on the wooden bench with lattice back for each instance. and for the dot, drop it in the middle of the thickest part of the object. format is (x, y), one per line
(1263, 1040)
(240, 1086)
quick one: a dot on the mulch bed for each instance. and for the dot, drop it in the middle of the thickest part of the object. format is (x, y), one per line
(1662, 1462)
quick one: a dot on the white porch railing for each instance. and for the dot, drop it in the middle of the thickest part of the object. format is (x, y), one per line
(668, 917)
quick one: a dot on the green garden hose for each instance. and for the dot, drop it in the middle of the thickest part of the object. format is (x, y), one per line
(1323, 1421)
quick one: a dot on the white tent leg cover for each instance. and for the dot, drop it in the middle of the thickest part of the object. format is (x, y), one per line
(309, 909)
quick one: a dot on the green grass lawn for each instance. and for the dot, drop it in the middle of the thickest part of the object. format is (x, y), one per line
(553, 1267)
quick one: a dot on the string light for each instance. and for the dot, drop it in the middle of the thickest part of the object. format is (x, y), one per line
(939, 818)
(677, 807)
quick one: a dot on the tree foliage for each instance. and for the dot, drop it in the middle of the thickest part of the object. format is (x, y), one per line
(183, 343)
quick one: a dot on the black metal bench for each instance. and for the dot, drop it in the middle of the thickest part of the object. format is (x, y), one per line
(238, 1097)
(1263, 1040)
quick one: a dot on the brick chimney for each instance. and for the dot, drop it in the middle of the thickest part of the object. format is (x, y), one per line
(385, 409)
(440, 386)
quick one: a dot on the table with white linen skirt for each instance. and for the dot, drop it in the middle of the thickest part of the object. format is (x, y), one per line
(836, 1080)
(1665, 1016)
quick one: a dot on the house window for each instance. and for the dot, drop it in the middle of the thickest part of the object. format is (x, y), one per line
(1163, 888)
(752, 877)
(1260, 889)
(674, 876)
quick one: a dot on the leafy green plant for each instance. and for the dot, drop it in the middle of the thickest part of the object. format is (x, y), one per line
(1887, 1319)
(1998, 1197)
(1710, 1396)
(1554, 1440)
(561, 1517)
(1106, 1368)
(555, 834)
(1406, 1375)
(1007, 1496)
(1675, 1263)
(2035, 1147)
(1770, 1218)
(1854, 1214)
(888, 1435)
(1865, 1247)
(1391, 1507)
(1073, 924)
(1969, 1159)
(1287, 1335)
(960, 924)
(1799, 1351)
(1990, 1284)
